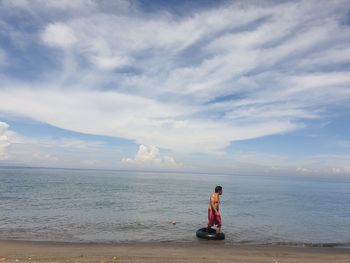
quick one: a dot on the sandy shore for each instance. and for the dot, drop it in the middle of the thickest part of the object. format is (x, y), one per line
(26, 251)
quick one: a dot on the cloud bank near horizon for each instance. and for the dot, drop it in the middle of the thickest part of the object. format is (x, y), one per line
(191, 83)
(68, 152)
(151, 157)
(4, 141)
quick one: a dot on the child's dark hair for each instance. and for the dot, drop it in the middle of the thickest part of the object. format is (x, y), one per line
(218, 189)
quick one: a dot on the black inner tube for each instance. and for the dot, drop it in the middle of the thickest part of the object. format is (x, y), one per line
(210, 233)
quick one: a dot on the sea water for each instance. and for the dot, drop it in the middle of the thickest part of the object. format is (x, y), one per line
(122, 206)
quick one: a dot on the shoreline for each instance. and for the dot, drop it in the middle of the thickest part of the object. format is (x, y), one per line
(52, 251)
(196, 242)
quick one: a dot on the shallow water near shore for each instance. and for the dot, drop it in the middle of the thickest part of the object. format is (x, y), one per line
(120, 206)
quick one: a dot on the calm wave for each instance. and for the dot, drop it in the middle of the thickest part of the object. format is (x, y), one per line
(118, 206)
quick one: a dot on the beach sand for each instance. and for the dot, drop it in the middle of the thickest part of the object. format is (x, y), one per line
(27, 251)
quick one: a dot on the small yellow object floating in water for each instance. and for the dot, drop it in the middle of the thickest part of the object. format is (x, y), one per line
(115, 258)
(173, 222)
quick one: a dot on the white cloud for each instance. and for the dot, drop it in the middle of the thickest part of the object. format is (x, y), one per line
(58, 35)
(150, 156)
(109, 63)
(4, 141)
(191, 83)
(335, 56)
(341, 170)
(303, 170)
(134, 118)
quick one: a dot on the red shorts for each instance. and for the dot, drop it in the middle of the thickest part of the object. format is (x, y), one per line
(213, 219)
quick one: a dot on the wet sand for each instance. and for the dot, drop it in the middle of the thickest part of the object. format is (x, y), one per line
(28, 251)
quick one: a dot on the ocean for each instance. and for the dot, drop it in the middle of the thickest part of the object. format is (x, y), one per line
(106, 206)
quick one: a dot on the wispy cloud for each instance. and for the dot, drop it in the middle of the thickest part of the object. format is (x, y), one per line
(262, 163)
(37, 156)
(324, 164)
(343, 144)
(341, 170)
(190, 83)
(89, 162)
(62, 142)
(3, 57)
(20, 149)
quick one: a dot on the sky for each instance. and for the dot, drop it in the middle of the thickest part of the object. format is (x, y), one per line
(241, 87)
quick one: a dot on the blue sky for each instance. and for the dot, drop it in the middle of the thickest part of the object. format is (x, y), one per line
(246, 87)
